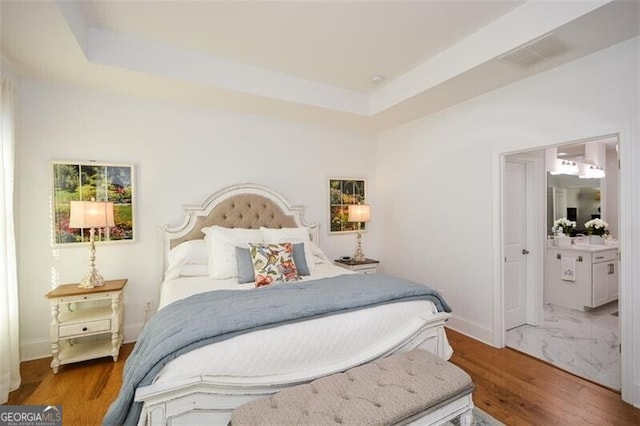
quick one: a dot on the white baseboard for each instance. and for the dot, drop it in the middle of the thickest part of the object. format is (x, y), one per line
(41, 348)
(131, 332)
(35, 349)
(471, 329)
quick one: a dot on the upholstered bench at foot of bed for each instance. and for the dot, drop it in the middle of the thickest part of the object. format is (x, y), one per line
(414, 387)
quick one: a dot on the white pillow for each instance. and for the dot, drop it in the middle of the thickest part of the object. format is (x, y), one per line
(318, 255)
(291, 235)
(195, 271)
(221, 246)
(192, 252)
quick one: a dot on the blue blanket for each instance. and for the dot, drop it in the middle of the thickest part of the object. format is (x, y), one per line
(205, 318)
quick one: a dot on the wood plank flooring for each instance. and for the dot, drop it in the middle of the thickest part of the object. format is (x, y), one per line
(520, 390)
(511, 386)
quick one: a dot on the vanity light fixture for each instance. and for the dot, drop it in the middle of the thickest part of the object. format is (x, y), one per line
(589, 168)
(359, 213)
(591, 172)
(568, 167)
(92, 215)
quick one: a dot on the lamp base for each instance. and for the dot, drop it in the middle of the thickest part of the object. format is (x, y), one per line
(91, 280)
(359, 254)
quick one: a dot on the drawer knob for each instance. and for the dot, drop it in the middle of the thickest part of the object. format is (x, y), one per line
(84, 328)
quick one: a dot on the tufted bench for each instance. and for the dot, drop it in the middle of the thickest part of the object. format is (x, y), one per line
(414, 387)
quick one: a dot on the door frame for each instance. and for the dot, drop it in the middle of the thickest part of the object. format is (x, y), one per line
(626, 297)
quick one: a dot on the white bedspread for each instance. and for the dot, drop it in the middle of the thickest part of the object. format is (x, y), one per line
(182, 287)
(291, 349)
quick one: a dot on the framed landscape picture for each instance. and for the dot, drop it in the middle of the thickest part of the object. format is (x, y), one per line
(342, 193)
(86, 181)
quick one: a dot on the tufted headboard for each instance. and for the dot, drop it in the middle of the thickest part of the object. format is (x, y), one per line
(239, 206)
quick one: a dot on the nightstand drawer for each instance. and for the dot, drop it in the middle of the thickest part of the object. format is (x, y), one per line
(85, 328)
(85, 297)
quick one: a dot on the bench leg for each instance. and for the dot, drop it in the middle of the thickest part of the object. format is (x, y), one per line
(466, 418)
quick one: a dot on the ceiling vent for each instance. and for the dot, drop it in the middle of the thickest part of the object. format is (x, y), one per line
(537, 51)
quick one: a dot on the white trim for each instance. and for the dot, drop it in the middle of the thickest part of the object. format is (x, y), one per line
(34, 349)
(536, 240)
(627, 300)
(470, 328)
(498, 251)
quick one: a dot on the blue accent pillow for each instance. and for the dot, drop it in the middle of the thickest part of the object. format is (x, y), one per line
(246, 273)
(300, 259)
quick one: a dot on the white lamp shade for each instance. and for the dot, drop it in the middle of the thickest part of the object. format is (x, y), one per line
(359, 213)
(91, 214)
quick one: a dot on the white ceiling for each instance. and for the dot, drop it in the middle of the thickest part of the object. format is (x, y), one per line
(342, 44)
(302, 60)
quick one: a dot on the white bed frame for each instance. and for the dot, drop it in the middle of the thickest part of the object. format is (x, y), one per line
(210, 400)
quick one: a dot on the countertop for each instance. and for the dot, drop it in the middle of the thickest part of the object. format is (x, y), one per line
(592, 248)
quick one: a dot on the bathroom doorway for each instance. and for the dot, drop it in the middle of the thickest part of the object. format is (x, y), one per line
(582, 341)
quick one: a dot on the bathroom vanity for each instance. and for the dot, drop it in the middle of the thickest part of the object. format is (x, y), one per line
(595, 272)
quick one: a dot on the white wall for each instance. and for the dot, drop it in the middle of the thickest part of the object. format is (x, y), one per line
(439, 174)
(181, 155)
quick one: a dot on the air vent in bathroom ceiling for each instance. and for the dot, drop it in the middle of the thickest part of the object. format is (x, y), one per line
(537, 51)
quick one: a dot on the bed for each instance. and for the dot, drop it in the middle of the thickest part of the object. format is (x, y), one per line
(343, 323)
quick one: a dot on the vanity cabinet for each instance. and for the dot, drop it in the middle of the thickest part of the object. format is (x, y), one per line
(605, 277)
(596, 277)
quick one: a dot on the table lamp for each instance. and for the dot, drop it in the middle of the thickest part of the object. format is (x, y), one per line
(359, 213)
(92, 215)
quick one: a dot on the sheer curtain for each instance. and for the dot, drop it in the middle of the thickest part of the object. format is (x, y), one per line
(9, 340)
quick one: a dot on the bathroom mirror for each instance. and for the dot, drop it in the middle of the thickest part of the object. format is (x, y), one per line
(574, 198)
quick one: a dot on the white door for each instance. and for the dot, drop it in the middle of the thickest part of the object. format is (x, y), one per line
(515, 244)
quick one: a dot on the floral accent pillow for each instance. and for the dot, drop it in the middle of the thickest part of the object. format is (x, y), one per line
(273, 262)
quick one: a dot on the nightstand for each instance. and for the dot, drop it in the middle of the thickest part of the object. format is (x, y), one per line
(367, 266)
(81, 316)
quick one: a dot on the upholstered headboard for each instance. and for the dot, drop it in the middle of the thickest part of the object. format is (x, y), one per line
(239, 206)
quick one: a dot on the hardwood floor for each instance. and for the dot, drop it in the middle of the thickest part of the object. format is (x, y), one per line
(511, 386)
(520, 390)
(85, 389)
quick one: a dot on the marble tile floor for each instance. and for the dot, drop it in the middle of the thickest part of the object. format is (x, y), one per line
(583, 343)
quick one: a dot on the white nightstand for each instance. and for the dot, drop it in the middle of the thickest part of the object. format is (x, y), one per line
(368, 266)
(82, 312)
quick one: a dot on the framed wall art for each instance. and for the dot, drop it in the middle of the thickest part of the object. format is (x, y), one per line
(342, 193)
(87, 181)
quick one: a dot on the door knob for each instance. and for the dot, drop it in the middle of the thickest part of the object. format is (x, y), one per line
(525, 251)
